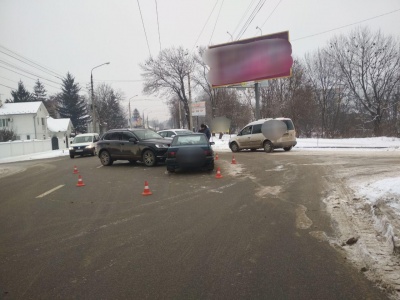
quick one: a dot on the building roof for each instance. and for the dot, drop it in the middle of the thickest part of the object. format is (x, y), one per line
(20, 108)
(58, 125)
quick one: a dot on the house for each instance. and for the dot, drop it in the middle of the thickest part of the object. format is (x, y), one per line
(26, 119)
(31, 120)
(60, 129)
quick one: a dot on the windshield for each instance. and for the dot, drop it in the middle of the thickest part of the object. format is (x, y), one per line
(83, 139)
(180, 140)
(147, 134)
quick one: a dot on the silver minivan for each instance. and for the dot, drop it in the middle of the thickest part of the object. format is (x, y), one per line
(253, 136)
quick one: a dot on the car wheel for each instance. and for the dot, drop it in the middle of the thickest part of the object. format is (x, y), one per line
(268, 147)
(105, 158)
(210, 167)
(72, 156)
(234, 147)
(171, 170)
(287, 148)
(148, 158)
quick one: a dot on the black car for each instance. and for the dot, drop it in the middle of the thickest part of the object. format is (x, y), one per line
(191, 151)
(133, 145)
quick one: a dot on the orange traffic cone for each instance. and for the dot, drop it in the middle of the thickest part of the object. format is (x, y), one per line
(146, 191)
(218, 173)
(76, 170)
(216, 156)
(233, 160)
(80, 181)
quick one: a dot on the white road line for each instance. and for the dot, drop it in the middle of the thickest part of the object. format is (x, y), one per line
(50, 191)
(99, 167)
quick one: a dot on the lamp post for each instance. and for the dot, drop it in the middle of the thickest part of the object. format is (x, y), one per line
(259, 29)
(93, 99)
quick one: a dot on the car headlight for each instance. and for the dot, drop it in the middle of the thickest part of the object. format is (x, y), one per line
(71, 148)
(89, 147)
(161, 145)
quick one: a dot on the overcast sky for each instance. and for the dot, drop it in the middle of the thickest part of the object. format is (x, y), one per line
(76, 35)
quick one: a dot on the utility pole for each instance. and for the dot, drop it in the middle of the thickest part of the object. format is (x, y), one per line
(190, 104)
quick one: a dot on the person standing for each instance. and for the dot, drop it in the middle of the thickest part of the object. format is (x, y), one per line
(204, 129)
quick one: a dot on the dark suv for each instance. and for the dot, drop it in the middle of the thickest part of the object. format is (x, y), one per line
(132, 145)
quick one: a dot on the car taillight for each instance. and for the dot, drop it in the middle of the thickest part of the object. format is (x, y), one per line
(171, 154)
(207, 152)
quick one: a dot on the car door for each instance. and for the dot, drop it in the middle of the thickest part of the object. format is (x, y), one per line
(256, 137)
(244, 137)
(112, 143)
(130, 150)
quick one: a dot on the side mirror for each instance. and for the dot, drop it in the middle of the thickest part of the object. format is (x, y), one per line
(173, 135)
(212, 143)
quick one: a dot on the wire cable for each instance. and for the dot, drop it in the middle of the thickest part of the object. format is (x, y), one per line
(216, 21)
(8, 87)
(205, 25)
(245, 13)
(344, 26)
(271, 13)
(28, 76)
(251, 18)
(29, 60)
(144, 28)
(158, 25)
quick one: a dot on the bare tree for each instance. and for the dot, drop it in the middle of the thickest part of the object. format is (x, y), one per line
(168, 74)
(108, 108)
(370, 64)
(328, 88)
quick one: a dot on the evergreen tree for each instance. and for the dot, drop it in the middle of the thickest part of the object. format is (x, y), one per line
(136, 119)
(72, 105)
(21, 94)
(39, 92)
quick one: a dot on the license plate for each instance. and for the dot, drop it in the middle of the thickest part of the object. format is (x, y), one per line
(78, 150)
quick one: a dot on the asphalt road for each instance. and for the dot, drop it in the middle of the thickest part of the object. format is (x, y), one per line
(249, 235)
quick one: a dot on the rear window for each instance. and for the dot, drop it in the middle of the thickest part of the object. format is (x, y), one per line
(289, 124)
(181, 140)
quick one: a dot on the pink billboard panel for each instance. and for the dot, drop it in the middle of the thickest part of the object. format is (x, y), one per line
(254, 59)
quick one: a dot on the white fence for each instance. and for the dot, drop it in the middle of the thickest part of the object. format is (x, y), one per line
(17, 148)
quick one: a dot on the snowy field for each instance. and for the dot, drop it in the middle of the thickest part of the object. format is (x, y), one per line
(366, 209)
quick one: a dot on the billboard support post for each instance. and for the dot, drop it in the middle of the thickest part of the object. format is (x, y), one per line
(257, 91)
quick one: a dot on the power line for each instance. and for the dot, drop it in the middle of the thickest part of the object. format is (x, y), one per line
(29, 60)
(18, 68)
(158, 25)
(144, 28)
(28, 76)
(8, 87)
(251, 18)
(271, 13)
(245, 13)
(348, 25)
(215, 25)
(205, 24)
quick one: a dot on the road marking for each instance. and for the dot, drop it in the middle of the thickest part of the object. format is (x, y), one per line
(50, 191)
(99, 167)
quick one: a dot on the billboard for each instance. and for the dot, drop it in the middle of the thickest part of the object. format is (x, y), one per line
(255, 59)
(199, 108)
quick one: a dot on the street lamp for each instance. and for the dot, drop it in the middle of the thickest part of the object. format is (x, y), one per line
(93, 99)
(259, 29)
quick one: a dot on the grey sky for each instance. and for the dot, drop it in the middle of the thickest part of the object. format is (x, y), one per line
(77, 35)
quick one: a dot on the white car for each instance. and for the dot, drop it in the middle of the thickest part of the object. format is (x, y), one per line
(170, 133)
(83, 144)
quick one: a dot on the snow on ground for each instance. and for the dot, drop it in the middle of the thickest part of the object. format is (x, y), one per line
(367, 208)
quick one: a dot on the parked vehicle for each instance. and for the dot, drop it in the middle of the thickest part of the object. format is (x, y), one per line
(135, 144)
(170, 133)
(83, 144)
(191, 151)
(253, 137)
